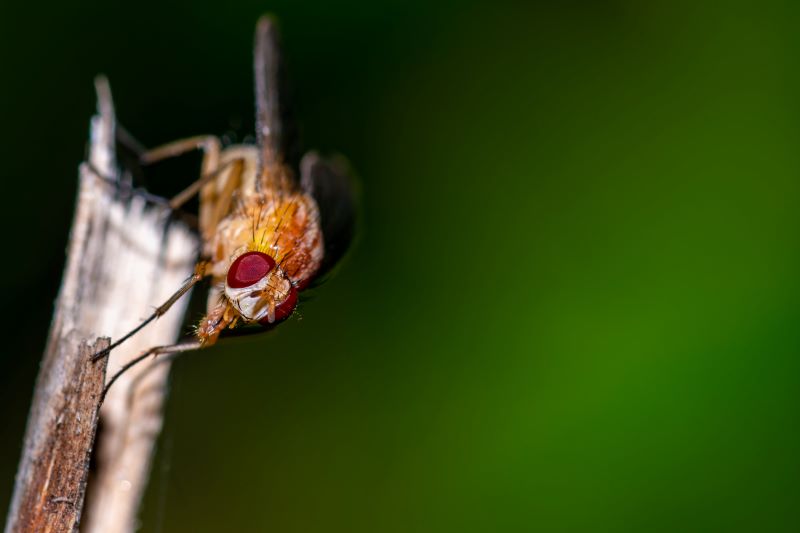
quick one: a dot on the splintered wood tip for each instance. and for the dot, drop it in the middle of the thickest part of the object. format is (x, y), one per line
(266, 25)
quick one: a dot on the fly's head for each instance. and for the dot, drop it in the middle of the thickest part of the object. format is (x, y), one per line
(259, 289)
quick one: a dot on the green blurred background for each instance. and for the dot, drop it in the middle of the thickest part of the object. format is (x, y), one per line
(574, 302)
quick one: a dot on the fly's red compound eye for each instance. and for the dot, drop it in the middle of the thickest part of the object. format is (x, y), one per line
(284, 309)
(248, 269)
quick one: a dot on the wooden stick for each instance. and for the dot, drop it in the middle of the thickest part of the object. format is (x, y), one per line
(52, 478)
(123, 256)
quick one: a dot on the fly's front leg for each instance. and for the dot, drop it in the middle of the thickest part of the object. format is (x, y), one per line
(157, 350)
(218, 318)
(200, 272)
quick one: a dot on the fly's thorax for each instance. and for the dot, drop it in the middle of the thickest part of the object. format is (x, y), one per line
(282, 225)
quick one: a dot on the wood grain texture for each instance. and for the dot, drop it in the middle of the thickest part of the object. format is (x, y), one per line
(55, 480)
(123, 255)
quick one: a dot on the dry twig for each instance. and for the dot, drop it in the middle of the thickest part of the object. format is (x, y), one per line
(123, 257)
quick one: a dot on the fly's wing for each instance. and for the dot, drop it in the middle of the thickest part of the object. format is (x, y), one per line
(329, 182)
(266, 67)
(276, 135)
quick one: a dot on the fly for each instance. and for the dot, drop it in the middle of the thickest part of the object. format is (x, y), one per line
(267, 230)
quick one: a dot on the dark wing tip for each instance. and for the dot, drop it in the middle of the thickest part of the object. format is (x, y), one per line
(331, 183)
(266, 27)
(266, 69)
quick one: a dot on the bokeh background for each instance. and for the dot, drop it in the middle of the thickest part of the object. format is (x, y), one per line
(573, 305)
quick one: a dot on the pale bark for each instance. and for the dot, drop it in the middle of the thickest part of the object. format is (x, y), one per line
(124, 258)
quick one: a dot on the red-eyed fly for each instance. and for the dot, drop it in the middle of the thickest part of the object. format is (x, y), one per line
(267, 229)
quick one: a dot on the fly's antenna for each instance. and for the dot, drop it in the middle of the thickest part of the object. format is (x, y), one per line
(268, 114)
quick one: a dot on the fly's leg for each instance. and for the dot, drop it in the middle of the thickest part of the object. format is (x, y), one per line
(209, 168)
(208, 332)
(126, 189)
(133, 389)
(214, 204)
(212, 211)
(128, 142)
(236, 166)
(219, 317)
(209, 144)
(209, 171)
(157, 350)
(199, 273)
